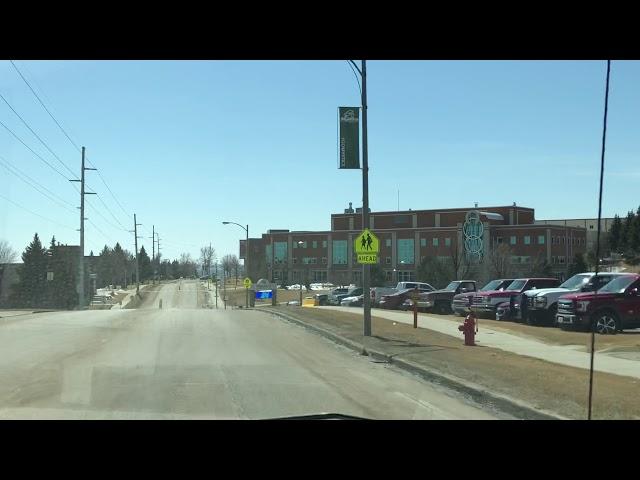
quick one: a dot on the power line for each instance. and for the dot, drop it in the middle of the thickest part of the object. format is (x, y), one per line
(43, 105)
(103, 217)
(36, 135)
(109, 210)
(32, 151)
(33, 183)
(109, 189)
(34, 213)
(107, 237)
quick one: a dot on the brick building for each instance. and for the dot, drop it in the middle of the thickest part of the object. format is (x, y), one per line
(406, 237)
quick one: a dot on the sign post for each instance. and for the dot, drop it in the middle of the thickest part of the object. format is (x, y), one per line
(247, 286)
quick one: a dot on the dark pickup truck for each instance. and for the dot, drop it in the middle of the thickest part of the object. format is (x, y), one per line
(613, 308)
(461, 303)
(439, 301)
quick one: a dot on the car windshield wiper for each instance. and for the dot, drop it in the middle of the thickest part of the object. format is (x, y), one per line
(320, 416)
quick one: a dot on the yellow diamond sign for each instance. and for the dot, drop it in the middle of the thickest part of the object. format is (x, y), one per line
(367, 246)
(247, 283)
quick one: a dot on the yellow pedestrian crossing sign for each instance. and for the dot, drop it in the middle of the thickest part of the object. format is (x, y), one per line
(247, 283)
(367, 246)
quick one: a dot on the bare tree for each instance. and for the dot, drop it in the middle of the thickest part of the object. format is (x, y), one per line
(460, 262)
(7, 254)
(499, 261)
(207, 257)
(226, 263)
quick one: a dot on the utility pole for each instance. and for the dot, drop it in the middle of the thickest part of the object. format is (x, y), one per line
(366, 268)
(80, 287)
(135, 233)
(158, 254)
(153, 252)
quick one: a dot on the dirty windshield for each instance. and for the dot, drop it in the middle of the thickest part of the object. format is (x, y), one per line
(251, 239)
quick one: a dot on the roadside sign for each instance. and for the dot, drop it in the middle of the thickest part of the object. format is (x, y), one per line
(262, 294)
(367, 246)
(367, 243)
(247, 283)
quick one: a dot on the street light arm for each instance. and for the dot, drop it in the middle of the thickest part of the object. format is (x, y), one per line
(354, 64)
(234, 223)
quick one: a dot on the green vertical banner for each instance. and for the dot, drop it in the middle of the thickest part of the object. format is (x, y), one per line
(349, 137)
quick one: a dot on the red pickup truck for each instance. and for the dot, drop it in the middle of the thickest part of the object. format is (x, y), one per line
(613, 308)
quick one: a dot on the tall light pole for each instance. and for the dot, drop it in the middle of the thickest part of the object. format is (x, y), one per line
(300, 243)
(246, 257)
(366, 268)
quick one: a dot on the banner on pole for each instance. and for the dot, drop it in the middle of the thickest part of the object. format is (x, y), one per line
(349, 137)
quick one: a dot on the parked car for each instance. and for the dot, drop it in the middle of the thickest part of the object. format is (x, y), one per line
(353, 301)
(486, 303)
(461, 303)
(395, 300)
(439, 301)
(321, 299)
(613, 308)
(336, 296)
(541, 305)
(378, 292)
(425, 287)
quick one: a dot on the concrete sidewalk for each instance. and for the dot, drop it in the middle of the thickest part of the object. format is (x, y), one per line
(564, 355)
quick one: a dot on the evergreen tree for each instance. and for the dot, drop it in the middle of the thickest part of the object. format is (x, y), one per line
(579, 265)
(61, 289)
(634, 234)
(614, 234)
(144, 264)
(29, 291)
(625, 232)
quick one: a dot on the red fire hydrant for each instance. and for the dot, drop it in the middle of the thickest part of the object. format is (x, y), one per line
(469, 328)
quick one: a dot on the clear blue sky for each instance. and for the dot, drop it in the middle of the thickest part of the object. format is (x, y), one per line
(186, 145)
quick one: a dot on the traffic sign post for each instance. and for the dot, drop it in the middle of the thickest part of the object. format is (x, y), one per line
(247, 286)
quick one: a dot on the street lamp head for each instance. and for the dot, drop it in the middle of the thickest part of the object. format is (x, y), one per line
(225, 223)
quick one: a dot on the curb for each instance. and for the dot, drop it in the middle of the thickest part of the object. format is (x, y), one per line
(476, 392)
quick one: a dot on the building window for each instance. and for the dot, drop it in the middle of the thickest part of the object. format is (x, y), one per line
(280, 252)
(583, 242)
(357, 275)
(339, 252)
(388, 274)
(423, 242)
(561, 260)
(324, 260)
(515, 259)
(276, 275)
(320, 276)
(387, 260)
(553, 260)
(434, 242)
(590, 227)
(387, 242)
(563, 240)
(512, 240)
(406, 251)
(314, 244)
(295, 260)
(314, 260)
(406, 276)
(527, 240)
(540, 239)
(324, 244)
(447, 242)
(498, 240)
(525, 259)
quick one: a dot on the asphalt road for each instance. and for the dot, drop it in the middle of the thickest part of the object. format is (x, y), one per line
(183, 361)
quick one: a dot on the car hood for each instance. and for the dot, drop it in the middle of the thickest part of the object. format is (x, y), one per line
(465, 295)
(497, 293)
(544, 291)
(588, 296)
